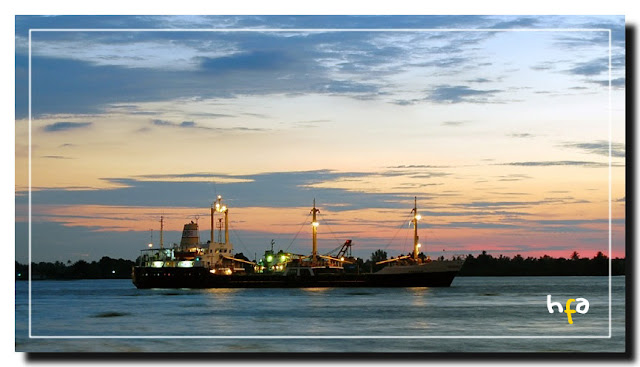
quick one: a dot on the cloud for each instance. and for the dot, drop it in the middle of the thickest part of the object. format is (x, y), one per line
(64, 126)
(183, 124)
(514, 177)
(580, 40)
(590, 68)
(274, 189)
(55, 157)
(406, 102)
(521, 135)
(261, 60)
(543, 66)
(527, 22)
(291, 65)
(579, 221)
(617, 83)
(346, 86)
(460, 93)
(600, 147)
(194, 125)
(454, 123)
(559, 163)
(478, 225)
(417, 166)
(445, 62)
(501, 204)
(479, 80)
(161, 66)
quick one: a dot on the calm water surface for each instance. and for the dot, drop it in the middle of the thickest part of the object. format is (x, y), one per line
(493, 307)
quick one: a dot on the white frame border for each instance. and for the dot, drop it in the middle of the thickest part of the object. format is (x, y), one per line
(31, 336)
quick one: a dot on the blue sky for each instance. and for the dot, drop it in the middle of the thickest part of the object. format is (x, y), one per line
(491, 129)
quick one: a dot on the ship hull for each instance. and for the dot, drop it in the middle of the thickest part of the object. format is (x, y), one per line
(144, 277)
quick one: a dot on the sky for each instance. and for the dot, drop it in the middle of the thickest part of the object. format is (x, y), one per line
(499, 125)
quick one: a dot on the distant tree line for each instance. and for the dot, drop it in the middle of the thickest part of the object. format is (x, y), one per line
(482, 265)
(487, 265)
(106, 268)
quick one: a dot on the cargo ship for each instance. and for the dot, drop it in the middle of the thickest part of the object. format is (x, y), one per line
(192, 264)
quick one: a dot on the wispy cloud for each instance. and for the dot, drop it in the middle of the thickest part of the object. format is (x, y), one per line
(413, 166)
(406, 102)
(590, 68)
(260, 60)
(502, 204)
(521, 135)
(600, 147)
(286, 189)
(616, 83)
(527, 22)
(543, 66)
(454, 123)
(194, 125)
(460, 93)
(65, 126)
(55, 157)
(560, 163)
(479, 80)
(162, 122)
(514, 177)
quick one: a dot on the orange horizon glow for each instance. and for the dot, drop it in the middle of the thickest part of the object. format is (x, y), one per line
(370, 229)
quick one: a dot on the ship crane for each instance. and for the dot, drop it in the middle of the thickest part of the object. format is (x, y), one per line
(344, 255)
(345, 251)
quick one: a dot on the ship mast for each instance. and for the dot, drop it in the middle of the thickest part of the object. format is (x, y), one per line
(226, 225)
(314, 225)
(212, 227)
(416, 218)
(161, 230)
(221, 208)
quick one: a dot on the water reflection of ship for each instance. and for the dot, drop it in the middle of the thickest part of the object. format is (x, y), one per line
(213, 265)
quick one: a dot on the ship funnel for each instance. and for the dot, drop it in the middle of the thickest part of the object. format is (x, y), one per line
(190, 235)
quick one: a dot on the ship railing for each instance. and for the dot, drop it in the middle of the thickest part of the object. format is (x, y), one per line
(151, 256)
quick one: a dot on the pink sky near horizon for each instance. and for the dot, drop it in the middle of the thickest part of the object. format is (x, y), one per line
(370, 229)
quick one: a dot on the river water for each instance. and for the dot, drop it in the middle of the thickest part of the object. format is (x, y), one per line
(476, 314)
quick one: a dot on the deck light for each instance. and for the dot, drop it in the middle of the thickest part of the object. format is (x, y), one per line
(315, 224)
